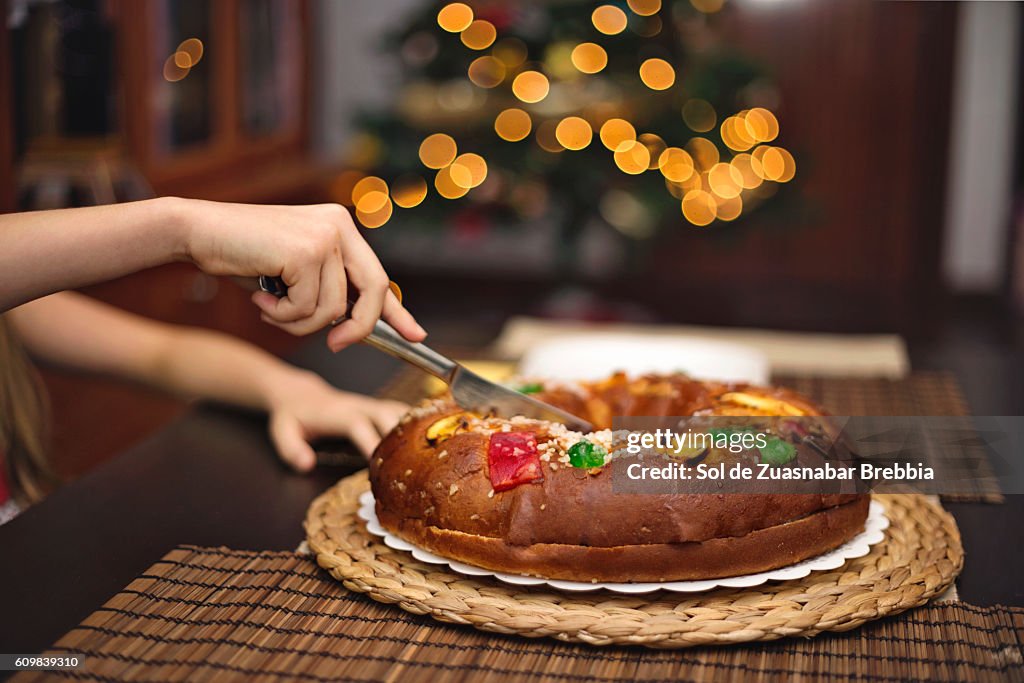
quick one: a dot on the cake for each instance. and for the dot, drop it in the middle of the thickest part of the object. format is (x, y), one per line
(531, 497)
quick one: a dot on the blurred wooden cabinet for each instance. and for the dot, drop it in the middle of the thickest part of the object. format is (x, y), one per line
(215, 96)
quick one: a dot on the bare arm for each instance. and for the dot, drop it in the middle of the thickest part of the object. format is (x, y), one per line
(316, 250)
(74, 331)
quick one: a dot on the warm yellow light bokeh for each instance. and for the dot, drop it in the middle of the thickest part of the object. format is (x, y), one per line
(632, 157)
(657, 74)
(396, 290)
(707, 6)
(750, 170)
(655, 146)
(377, 217)
(446, 186)
(589, 58)
(530, 86)
(725, 180)
(699, 207)
(777, 164)
(574, 133)
(487, 71)
(728, 209)
(735, 135)
(761, 124)
(704, 153)
(675, 164)
(699, 115)
(173, 72)
(367, 185)
(644, 8)
(455, 17)
(475, 170)
(372, 202)
(513, 125)
(438, 150)
(409, 191)
(193, 49)
(479, 35)
(609, 19)
(616, 131)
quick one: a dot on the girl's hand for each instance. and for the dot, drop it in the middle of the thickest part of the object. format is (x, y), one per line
(319, 254)
(306, 408)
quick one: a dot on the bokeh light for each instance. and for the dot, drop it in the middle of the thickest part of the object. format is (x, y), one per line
(341, 186)
(777, 164)
(632, 157)
(396, 290)
(479, 35)
(675, 164)
(455, 17)
(446, 186)
(699, 115)
(574, 133)
(172, 72)
(469, 170)
(374, 210)
(704, 153)
(487, 71)
(438, 150)
(735, 134)
(655, 146)
(657, 74)
(699, 207)
(513, 125)
(728, 209)
(750, 170)
(369, 184)
(409, 191)
(725, 180)
(616, 131)
(189, 52)
(609, 19)
(589, 58)
(644, 8)
(530, 86)
(761, 124)
(707, 6)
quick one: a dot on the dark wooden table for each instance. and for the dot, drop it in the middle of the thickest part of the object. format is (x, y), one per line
(212, 479)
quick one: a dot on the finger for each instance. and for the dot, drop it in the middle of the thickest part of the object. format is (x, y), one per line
(290, 442)
(301, 300)
(363, 434)
(367, 275)
(386, 414)
(330, 306)
(399, 317)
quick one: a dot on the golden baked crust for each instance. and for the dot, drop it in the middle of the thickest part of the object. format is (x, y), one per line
(437, 494)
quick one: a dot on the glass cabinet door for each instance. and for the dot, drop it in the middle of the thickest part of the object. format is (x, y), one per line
(182, 106)
(270, 66)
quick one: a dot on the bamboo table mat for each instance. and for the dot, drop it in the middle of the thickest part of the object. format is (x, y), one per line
(920, 393)
(214, 613)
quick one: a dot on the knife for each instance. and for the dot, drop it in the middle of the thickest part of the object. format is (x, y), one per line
(470, 391)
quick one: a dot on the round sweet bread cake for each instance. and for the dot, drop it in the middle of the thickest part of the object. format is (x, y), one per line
(531, 497)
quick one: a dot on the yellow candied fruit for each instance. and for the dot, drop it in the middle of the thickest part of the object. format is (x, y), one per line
(771, 406)
(446, 428)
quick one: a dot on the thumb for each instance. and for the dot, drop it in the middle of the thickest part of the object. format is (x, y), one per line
(287, 435)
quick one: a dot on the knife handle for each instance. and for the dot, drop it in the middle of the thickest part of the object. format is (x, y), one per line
(384, 338)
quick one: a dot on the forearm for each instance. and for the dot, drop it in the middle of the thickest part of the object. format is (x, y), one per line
(204, 364)
(77, 332)
(43, 252)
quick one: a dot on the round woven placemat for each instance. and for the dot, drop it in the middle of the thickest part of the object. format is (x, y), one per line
(919, 558)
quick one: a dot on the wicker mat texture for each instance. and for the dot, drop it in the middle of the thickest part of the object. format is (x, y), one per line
(921, 393)
(218, 614)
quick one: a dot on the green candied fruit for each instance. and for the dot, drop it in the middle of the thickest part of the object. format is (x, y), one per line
(777, 452)
(534, 388)
(585, 454)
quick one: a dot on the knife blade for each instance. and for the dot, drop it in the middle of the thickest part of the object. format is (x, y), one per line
(469, 390)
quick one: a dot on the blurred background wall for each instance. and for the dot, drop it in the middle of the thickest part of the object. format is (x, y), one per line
(878, 147)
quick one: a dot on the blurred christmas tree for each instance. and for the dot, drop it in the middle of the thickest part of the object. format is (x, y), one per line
(509, 111)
